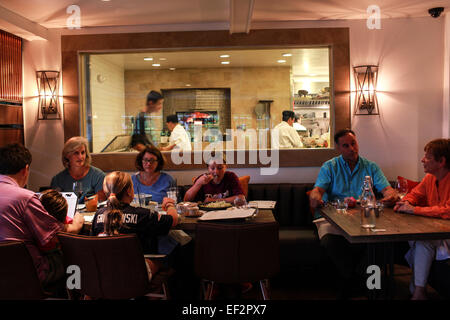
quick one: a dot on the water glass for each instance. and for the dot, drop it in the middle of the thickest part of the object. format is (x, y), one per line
(172, 193)
(240, 203)
(379, 207)
(368, 216)
(341, 206)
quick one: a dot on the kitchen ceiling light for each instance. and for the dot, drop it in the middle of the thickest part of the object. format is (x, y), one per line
(281, 61)
(148, 59)
(163, 59)
(172, 69)
(156, 65)
(225, 62)
(287, 54)
(225, 56)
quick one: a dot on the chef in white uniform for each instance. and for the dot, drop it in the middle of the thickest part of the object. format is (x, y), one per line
(286, 133)
(179, 139)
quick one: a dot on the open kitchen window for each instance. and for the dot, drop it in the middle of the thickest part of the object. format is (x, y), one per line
(235, 97)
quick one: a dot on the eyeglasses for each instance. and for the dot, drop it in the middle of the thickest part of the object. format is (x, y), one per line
(151, 161)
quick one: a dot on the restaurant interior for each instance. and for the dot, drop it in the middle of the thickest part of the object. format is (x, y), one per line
(229, 68)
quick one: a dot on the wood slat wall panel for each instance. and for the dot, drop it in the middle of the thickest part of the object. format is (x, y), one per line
(10, 68)
(8, 136)
(11, 114)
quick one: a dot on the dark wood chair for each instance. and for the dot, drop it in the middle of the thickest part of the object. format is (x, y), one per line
(18, 276)
(236, 253)
(111, 267)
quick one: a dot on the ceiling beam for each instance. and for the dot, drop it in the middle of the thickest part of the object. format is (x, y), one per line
(241, 12)
(22, 27)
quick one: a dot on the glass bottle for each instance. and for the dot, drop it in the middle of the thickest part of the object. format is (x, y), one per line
(367, 202)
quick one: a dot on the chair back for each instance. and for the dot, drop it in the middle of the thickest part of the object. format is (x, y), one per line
(236, 253)
(18, 276)
(111, 267)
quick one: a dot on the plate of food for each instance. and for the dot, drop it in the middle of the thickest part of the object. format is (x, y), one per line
(216, 205)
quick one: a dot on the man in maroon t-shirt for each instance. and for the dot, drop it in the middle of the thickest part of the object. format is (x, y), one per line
(216, 184)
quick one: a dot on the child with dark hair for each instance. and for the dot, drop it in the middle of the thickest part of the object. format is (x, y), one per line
(56, 206)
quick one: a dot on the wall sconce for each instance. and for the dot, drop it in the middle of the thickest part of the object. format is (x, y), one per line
(366, 90)
(47, 84)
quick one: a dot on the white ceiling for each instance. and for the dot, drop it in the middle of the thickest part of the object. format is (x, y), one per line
(30, 19)
(305, 62)
(98, 13)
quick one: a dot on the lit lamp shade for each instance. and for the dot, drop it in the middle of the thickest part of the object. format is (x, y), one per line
(47, 84)
(366, 90)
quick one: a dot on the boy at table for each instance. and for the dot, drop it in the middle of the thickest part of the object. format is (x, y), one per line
(342, 177)
(217, 184)
(430, 198)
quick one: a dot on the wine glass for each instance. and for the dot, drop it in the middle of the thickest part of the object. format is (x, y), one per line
(402, 187)
(77, 188)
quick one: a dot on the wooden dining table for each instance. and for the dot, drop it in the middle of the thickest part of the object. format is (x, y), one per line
(188, 223)
(390, 227)
(262, 216)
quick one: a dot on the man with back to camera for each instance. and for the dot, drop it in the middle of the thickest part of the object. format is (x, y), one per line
(431, 198)
(179, 139)
(287, 135)
(22, 216)
(153, 104)
(343, 177)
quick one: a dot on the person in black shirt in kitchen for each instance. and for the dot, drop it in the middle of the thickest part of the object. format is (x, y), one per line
(139, 138)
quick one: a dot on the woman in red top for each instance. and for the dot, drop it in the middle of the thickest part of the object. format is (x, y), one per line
(430, 198)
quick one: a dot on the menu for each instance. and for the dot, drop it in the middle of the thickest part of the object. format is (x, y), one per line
(227, 214)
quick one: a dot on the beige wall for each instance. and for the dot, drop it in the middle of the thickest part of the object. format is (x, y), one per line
(411, 104)
(248, 85)
(107, 100)
(44, 138)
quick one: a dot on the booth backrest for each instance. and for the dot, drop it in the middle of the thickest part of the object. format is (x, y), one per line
(292, 209)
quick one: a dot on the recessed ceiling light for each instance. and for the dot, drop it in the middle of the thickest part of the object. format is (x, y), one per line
(287, 54)
(225, 62)
(156, 65)
(148, 59)
(224, 55)
(106, 0)
(188, 85)
(281, 61)
(162, 59)
(172, 69)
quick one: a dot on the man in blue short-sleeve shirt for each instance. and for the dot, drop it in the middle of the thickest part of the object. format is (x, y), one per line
(342, 177)
(339, 181)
